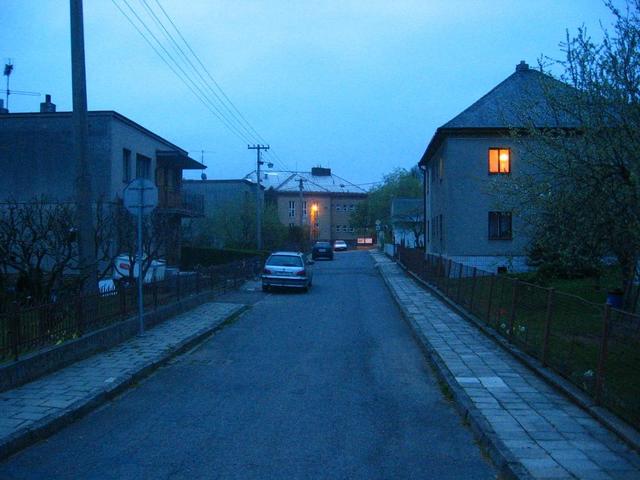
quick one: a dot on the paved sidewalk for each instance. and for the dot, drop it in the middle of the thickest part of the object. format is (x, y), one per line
(39, 408)
(531, 430)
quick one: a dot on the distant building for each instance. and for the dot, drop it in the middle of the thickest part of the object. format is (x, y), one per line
(224, 196)
(464, 221)
(37, 159)
(407, 222)
(318, 200)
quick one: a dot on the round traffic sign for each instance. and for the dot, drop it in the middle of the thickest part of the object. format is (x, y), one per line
(140, 193)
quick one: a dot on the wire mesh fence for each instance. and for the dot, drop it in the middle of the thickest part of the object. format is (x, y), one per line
(594, 346)
(27, 329)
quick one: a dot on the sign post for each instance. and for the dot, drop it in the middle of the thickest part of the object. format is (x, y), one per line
(140, 198)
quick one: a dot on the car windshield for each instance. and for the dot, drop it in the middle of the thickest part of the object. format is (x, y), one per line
(285, 261)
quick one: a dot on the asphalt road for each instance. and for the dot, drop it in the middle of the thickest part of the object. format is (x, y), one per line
(328, 384)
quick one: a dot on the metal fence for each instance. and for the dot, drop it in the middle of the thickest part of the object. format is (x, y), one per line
(594, 346)
(28, 329)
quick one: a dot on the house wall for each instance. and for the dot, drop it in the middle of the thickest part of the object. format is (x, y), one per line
(36, 156)
(219, 194)
(464, 200)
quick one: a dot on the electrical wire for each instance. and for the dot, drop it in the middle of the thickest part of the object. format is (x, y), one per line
(219, 104)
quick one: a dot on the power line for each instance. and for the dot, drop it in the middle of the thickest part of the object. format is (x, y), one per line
(185, 78)
(219, 104)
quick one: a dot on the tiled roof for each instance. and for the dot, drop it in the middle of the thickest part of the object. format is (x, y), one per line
(283, 181)
(520, 98)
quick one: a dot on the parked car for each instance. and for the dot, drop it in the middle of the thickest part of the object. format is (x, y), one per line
(322, 250)
(340, 245)
(287, 269)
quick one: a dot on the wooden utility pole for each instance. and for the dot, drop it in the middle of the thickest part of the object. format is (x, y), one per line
(83, 194)
(258, 198)
(301, 187)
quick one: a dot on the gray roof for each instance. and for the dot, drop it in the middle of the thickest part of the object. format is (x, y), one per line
(403, 209)
(283, 181)
(523, 99)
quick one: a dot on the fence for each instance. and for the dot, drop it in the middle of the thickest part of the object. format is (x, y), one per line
(24, 330)
(594, 346)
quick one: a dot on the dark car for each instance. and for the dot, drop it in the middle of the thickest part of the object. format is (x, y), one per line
(322, 250)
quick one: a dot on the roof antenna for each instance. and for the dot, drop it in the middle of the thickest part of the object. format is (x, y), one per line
(203, 175)
(8, 69)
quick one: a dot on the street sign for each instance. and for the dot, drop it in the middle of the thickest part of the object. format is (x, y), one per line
(140, 193)
(140, 198)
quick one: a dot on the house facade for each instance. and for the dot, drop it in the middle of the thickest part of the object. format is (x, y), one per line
(317, 200)
(36, 158)
(464, 219)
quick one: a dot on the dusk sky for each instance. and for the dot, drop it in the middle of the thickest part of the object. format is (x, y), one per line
(358, 86)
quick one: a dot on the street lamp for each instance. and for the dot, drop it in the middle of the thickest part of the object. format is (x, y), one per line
(314, 221)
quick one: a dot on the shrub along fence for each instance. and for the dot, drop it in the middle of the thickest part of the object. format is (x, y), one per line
(27, 329)
(594, 346)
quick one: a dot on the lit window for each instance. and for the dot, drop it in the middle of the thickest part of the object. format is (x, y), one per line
(500, 226)
(499, 160)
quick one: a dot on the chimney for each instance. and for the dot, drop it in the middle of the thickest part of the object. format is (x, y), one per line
(2, 109)
(320, 172)
(522, 66)
(47, 106)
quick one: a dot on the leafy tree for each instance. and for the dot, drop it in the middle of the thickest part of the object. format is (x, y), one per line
(377, 206)
(581, 192)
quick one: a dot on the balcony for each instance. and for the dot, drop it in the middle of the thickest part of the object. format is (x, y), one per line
(180, 203)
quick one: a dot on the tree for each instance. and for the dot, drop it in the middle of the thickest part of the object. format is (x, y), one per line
(581, 193)
(38, 245)
(377, 206)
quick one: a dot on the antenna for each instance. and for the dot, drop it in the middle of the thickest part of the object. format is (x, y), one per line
(8, 70)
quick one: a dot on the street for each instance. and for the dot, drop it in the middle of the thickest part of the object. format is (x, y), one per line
(328, 384)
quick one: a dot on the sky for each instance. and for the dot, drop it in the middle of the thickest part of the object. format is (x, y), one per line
(359, 86)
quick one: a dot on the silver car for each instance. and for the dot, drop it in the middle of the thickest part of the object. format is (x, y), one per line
(287, 269)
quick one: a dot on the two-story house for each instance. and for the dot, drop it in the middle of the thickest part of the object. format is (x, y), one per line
(36, 158)
(318, 200)
(465, 220)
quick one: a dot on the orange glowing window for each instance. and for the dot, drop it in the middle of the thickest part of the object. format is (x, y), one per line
(499, 160)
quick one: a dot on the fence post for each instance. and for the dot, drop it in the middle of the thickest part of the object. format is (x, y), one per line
(547, 327)
(197, 282)
(512, 316)
(473, 288)
(178, 286)
(602, 358)
(491, 282)
(15, 330)
(79, 315)
(458, 293)
(448, 272)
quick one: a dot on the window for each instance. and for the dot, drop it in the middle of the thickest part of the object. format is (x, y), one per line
(304, 208)
(338, 208)
(500, 226)
(291, 225)
(344, 208)
(499, 160)
(352, 208)
(143, 166)
(126, 165)
(292, 208)
(441, 168)
(352, 229)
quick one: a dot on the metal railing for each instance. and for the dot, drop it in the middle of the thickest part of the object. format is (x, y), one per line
(27, 329)
(594, 346)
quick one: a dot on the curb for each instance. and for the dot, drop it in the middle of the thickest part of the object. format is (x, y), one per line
(624, 432)
(47, 426)
(508, 466)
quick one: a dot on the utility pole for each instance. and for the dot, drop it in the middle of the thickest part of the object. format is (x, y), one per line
(301, 187)
(84, 204)
(258, 202)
